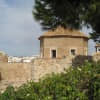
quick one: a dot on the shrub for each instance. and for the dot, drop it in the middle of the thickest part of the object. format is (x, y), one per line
(78, 83)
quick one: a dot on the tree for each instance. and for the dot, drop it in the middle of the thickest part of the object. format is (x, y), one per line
(69, 14)
(93, 19)
(65, 13)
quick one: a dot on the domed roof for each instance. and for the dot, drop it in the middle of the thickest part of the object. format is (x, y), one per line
(60, 31)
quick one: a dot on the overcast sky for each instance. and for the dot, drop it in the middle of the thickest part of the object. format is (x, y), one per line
(19, 32)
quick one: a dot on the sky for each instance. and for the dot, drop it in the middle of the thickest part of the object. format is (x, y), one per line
(19, 31)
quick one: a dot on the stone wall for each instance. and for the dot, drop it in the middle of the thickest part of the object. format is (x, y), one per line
(42, 67)
(14, 74)
(3, 57)
(18, 73)
(63, 45)
(96, 56)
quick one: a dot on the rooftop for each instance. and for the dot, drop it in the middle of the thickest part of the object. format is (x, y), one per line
(60, 31)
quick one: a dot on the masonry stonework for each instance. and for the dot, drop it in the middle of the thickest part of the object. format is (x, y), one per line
(3, 57)
(96, 56)
(63, 46)
(17, 74)
(63, 41)
(14, 74)
(42, 67)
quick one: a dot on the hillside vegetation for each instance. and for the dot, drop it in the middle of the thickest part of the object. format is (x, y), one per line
(78, 83)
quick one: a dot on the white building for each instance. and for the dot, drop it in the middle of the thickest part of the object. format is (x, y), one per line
(27, 59)
(12, 59)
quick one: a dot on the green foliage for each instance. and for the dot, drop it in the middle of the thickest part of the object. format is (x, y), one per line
(78, 83)
(92, 18)
(69, 14)
(9, 94)
(65, 13)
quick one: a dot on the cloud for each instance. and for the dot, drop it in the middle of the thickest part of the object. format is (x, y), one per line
(18, 30)
(3, 4)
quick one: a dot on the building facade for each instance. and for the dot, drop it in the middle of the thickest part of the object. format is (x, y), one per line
(62, 43)
(97, 47)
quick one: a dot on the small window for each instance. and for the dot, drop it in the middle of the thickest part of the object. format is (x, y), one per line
(73, 52)
(53, 53)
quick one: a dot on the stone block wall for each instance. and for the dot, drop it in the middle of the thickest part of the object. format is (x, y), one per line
(3, 58)
(96, 56)
(17, 74)
(14, 74)
(42, 67)
(63, 46)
